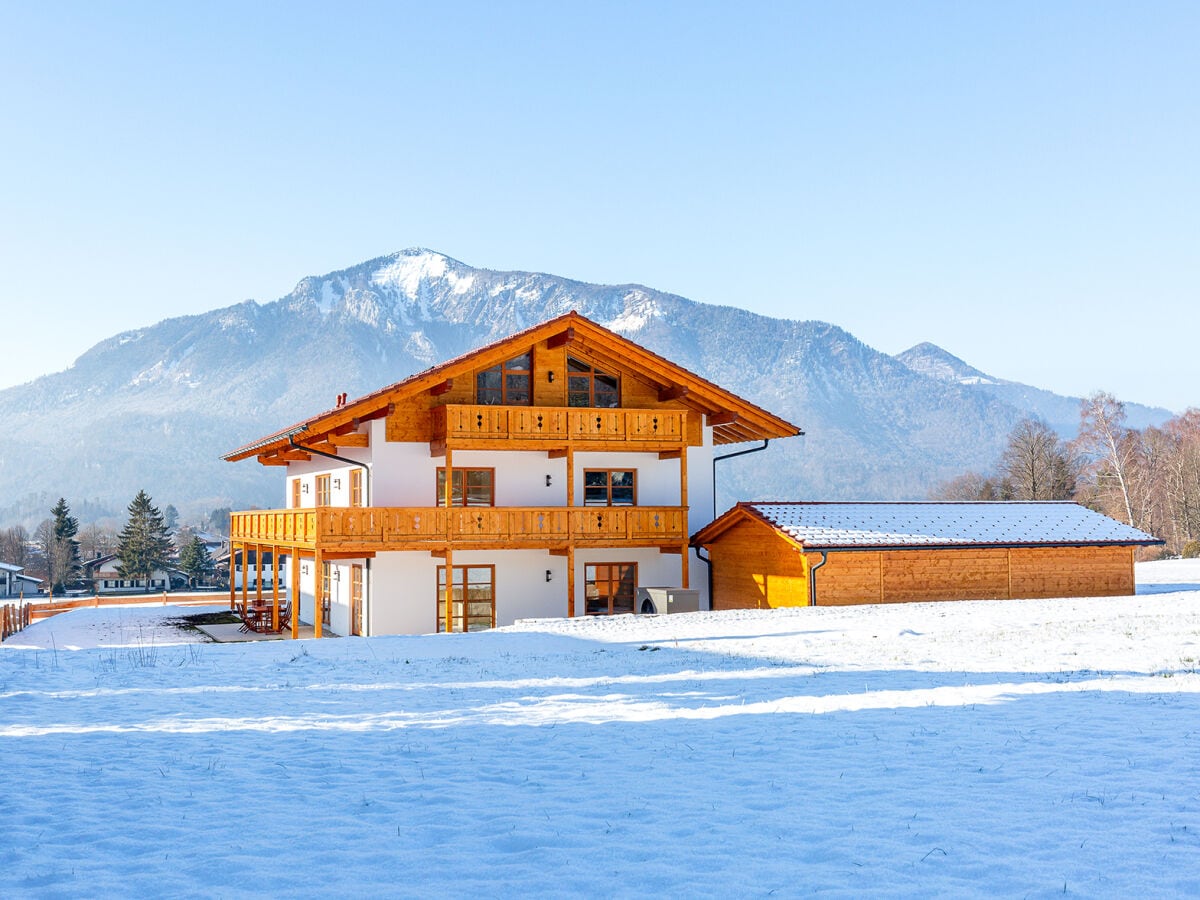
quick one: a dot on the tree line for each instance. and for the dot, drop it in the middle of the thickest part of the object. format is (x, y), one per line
(1148, 478)
(57, 549)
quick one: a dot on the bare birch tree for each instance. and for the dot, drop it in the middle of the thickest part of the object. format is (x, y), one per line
(1109, 446)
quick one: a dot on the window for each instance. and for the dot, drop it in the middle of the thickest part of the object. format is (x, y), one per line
(326, 596)
(507, 384)
(609, 487)
(588, 386)
(356, 487)
(296, 493)
(610, 588)
(322, 490)
(474, 585)
(468, 487)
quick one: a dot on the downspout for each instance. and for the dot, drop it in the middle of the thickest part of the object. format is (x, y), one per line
(812, 578)
(717, 459)
(368, 587)
(708, 562)
(354, 462)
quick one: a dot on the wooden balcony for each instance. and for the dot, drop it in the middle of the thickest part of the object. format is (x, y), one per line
(345, 530)
(550, 427)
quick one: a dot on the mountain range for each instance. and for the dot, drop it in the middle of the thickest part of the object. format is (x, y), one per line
(155, 408)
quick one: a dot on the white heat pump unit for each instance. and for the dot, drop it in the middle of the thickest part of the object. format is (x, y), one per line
(658, 601)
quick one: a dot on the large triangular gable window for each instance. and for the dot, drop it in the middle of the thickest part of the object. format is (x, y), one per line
(588, 386)
(506, 385)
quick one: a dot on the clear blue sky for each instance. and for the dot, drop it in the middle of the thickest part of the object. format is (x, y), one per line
(1016, 182)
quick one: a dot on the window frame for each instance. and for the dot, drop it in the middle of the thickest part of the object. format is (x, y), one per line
(439, 485)
(463, 619)
(608, 486)
(297, 485)
(486, 396)
(326, 592)
(591, 375)
(323, 491)
(614, 575)
(356, 487)
(356, 599)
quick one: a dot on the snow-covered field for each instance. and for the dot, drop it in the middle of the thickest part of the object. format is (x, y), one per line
(1023, 748)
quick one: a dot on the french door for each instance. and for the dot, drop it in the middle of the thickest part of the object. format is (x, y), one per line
(610, 588)
(472, 597)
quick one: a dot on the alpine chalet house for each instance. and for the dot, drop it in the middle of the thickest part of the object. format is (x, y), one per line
(550, 473)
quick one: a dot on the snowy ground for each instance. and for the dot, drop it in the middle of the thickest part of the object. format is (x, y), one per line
(1022, 748)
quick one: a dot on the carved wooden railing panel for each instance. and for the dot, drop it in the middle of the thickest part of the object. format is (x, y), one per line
(458, 422)
(382, 528)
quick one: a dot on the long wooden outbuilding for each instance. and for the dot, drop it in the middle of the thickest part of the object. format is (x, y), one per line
(829, 554)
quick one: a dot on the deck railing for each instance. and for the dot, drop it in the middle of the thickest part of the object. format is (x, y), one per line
(556, 424)
(382, 528)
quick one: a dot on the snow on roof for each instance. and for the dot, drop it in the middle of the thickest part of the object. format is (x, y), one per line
(9, 567)
(829, 525)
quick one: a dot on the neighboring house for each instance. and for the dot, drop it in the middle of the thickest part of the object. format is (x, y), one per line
(829, 554)
(13, 583)
(103, 573)
(550, 473)
(241, 561)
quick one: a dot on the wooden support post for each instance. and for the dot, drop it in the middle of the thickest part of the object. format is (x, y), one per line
(570, 582)
(232, 569)
(294, 597)
(258, 574)
(274, 588)
(570, 476)
(683, 501)
(245, 574)
(683, 487)
(449, 626)
(448, 486)
(318, 591)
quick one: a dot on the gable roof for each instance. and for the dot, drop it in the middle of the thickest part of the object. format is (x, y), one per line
(747, 422)
(852, 526)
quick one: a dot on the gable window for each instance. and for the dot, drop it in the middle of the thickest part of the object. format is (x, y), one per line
(322, 490)
(609, 487)
(610, 588)
(507, 384)
(588, 386)
(472, 595)
(356, 487)
(468, 487)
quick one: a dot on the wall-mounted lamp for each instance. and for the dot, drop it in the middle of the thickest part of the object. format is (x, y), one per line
(337, 483)
(304, 568)
(547, 481)
(304, 487)
(550, 376)
(337, 574)
(548, 574)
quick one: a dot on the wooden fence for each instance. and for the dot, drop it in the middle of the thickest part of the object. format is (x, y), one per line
(13, 618)
(38, 611)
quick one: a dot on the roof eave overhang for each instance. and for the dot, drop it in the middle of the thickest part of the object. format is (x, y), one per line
(750, 422)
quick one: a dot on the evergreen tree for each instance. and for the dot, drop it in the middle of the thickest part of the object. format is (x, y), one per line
(64, 556)
(195, 559)
(144, 544)
(171, 516)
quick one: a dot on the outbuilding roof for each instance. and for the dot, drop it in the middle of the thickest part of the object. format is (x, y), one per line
(845, 526)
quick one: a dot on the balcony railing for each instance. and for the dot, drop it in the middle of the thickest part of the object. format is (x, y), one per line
(408, 528)
(454, 424)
